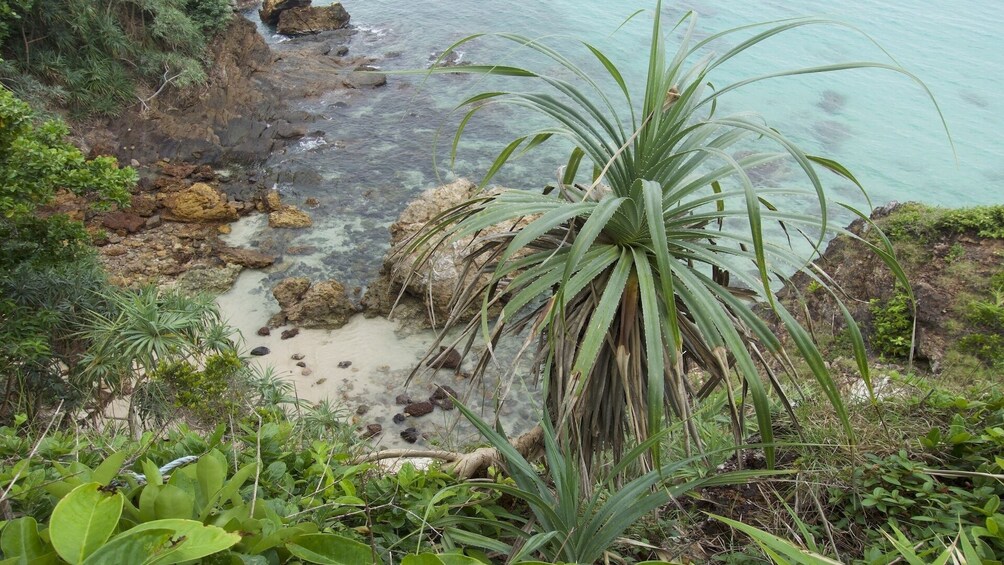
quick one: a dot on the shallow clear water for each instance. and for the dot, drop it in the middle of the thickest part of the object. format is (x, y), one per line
(377, 153)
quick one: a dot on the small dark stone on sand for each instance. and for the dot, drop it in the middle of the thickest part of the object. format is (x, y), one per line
(344, 364)
(259, 351)
(399, 418)
(292, 332)
(301, 364)
(410, 435)
(297, 356)
(447, 359)
(362, 409)
(417, 409)
(372, 430)
(264, 331)
(402, 399)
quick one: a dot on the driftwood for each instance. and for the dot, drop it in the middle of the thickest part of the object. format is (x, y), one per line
(467, 465)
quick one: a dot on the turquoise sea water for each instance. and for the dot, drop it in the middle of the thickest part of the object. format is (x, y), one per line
(376, 153)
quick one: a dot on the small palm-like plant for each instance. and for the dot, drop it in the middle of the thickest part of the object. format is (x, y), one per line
(145, 329)
(663, 261)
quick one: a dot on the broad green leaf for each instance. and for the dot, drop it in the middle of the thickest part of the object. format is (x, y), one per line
(458, 559)
(139, 548)
(331, 549)
(83, 521)
(211, 471)
(20, 539)
(172, 502)
(189, 541)
(109, 468)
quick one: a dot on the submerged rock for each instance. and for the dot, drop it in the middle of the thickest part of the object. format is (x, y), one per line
(418, 409)
(246, 257)
(372, 430)
(447, 359)
(410, 435)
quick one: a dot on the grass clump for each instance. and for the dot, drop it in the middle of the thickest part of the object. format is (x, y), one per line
(921, 222)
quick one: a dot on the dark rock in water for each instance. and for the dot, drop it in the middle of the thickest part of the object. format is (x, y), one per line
(297, 356)
(447, 359)
(344, 364)
(410, 435)
(372, 430)
(399, 418)
(312, 19)
(418, 409)
(342, 51)
(264, 331)
(246, 257)
(443, 392)
(832, 102)
(290, 333)
(301, 364)
(362, 409)
(365, 77)
(286, 130)
(402, 399)
(831, 133)
(259, 351)
(443, 403)
(452, 59)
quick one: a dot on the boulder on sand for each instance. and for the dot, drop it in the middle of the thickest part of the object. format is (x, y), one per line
(321, 305)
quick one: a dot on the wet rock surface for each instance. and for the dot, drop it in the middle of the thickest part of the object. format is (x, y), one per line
(312, 19)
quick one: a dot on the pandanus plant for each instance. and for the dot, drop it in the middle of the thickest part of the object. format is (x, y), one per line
(662, 262)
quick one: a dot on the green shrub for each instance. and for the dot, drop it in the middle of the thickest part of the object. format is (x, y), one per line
(892, 325)
(918, 221)
(90, 55)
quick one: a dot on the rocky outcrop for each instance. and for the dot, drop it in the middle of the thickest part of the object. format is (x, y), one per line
(198, 203)
(321, 305)
(282, 215)
(271, 10)
(948, 267)
(246, 257)
(423, 288)
(289, 217)
(310, 20)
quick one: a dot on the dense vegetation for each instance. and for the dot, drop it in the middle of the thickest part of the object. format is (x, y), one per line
(219, 462)
(95, 56)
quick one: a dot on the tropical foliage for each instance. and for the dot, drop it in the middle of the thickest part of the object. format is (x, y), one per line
(89, 55)
(659, 265)
(49, 280)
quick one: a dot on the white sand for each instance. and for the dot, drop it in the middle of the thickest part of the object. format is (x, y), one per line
(381, 361)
